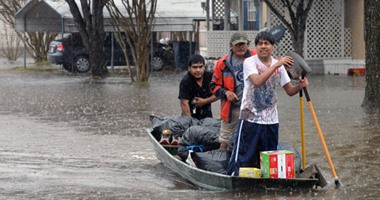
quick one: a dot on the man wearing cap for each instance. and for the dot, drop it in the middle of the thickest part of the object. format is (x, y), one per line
(227, 84)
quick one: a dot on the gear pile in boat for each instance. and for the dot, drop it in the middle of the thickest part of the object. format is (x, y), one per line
(200, 140)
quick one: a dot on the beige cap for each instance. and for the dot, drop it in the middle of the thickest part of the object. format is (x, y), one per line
(239, 38)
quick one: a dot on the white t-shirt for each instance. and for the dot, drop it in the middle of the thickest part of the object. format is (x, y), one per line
(259, 105)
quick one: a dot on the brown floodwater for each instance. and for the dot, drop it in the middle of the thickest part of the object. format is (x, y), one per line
(64, 136)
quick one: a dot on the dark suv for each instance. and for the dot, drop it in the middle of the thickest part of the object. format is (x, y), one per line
(71, 54)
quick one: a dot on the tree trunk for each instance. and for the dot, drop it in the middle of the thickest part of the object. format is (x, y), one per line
(142, 60)
(372, 42)
(97, 52)
(91, 28)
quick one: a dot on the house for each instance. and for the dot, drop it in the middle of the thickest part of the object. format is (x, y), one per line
(334, 39)
(334, 36)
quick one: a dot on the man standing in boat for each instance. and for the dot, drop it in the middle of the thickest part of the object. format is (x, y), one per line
(258, 124)
(227, 84)
(194, 91)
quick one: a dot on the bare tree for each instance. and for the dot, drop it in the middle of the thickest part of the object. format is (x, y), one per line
(90, 23)
(121, 37)
(38, 42)
(10, 44)
(298, 11)
(135, 18)
(372, 54)
(120, 33)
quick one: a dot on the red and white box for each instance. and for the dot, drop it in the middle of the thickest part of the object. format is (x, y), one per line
(277, 164)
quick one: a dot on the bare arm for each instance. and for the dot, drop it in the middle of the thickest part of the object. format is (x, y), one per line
(294, 89)
(185, 107)
(259, 79)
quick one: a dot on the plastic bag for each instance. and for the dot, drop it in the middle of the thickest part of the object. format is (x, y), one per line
(198, 135)
(214, 161)
(176, 124)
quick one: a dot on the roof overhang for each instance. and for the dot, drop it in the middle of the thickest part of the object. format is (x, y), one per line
(55, 16)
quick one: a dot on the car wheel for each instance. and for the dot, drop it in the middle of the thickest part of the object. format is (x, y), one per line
(157, 63)
(82, 64)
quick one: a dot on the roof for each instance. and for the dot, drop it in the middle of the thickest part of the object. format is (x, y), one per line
(55, 16)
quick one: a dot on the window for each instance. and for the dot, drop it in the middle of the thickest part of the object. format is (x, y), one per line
(251, 10)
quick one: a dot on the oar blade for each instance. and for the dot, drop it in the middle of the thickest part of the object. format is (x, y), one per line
(278, 32)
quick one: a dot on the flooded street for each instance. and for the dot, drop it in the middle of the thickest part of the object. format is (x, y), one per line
(64, 136)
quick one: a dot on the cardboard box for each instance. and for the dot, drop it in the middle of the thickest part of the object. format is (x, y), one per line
(277, 164)
(249, 172)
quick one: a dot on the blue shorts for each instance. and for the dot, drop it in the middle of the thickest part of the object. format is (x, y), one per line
(251, 138)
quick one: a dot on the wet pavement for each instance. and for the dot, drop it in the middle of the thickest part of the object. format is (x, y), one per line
(65, 136)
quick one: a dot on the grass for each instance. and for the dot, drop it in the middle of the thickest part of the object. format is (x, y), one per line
(35, 69)
(42, 63)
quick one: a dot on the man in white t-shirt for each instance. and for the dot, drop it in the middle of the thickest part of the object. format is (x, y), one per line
(258, 123)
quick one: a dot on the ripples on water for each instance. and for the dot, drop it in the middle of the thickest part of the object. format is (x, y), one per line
(114, 106)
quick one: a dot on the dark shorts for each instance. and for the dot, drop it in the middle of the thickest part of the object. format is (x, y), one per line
(250, 139)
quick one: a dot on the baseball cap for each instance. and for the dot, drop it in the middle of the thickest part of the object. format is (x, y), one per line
(239, 38)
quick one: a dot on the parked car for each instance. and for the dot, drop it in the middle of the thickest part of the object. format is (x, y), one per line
(71, 54)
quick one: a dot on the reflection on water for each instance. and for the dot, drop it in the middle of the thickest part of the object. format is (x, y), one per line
(114, 106)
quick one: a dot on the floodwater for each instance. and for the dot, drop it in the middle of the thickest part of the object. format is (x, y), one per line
(65, 136)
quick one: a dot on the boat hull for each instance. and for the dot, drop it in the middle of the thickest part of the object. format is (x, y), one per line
(216, 181)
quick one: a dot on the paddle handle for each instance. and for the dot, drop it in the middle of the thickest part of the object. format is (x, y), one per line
(320, 134)
(303, 146)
